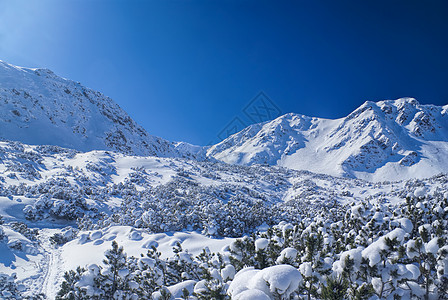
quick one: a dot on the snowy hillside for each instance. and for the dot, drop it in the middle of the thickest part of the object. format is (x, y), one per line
(387, 140)
(44, 183)
(59, 205)
(41, 108)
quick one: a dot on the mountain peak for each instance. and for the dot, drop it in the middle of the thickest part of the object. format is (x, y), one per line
(399, 102)
(409, 100)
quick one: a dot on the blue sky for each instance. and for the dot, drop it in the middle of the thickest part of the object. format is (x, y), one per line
(185, 69)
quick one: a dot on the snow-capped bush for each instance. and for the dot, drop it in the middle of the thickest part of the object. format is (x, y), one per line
(22, 228)
(67, 234)
(9, 288)
(277, 281)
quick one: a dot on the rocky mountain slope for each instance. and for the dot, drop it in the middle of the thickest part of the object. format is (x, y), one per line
(387, 140)
(41, 108)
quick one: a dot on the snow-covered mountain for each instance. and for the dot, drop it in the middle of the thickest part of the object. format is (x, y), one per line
(386, 140)
(41, 108)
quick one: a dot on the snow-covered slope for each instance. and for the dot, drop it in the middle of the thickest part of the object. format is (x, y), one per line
(41, 108)
(387, 140)
(144, 201)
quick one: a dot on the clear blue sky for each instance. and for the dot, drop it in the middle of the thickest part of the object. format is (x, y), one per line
(184, 69)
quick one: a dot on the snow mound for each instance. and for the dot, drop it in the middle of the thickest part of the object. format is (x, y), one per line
(177, 290)
(261, 244)
(252, 295)
(280, 279)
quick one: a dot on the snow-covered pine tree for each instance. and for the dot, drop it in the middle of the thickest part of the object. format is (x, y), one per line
(69, 289)
(114, 279)
(8, 287)
(181, 266)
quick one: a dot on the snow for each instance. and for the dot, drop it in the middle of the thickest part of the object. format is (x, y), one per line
(252, 295)
(420, 192)
(36, 101)
(287, 254)
(414, 270)
(416, 289)
(353, 254)
(146, 261)
(135, 236)
(261, 244)
(200, 287)
(114, 168)
(406, 224)
(386, 140)
(372, 252)
(96, 235)
(177, 289)
(411, 250)
(281, 279)
(432, 246)
(228, 272)
(50, 187)
(76, 254)
(242, 281)
(377, 284)
(306, 269)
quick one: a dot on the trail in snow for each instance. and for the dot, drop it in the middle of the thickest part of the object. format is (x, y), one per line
(52, 267)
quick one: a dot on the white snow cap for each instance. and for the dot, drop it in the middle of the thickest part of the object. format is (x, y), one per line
(372, 252)
(287, 253)
(281, 279)
(354, 254)
(432, 246)
(135, 235)
(406, 224)
(306, 269)
(252, 295)
(261, 244)
(96, 235)
(177, 290)
(420, 192)
(228, 272)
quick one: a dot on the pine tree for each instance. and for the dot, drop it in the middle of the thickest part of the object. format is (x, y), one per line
(8, 287)
(335, 289)
(181, 266)
(150, 278)
(69, 290)
(115, 277)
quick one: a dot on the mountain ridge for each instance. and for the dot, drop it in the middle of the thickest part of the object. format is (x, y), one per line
(389, 139)
(39, 107)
